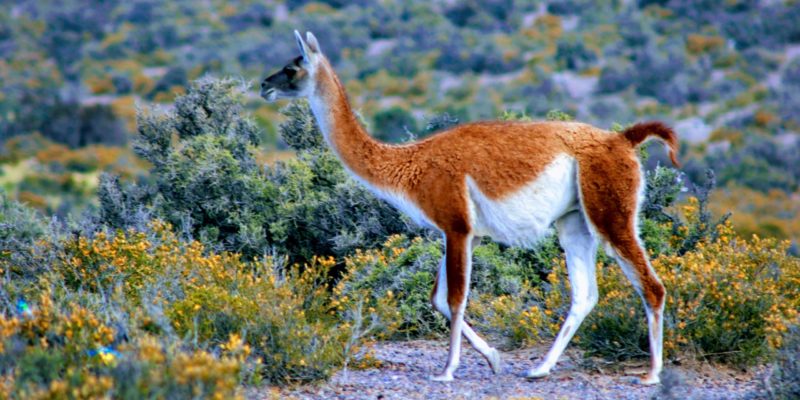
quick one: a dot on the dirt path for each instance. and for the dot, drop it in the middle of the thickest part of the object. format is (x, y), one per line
(407, 365)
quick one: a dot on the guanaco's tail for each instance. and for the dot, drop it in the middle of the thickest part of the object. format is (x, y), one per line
(643, 130)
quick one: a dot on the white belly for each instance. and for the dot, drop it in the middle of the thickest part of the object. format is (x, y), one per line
(524, 217)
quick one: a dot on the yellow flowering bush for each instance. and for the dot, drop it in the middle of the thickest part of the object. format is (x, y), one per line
(139, 314)
(729, 299)
(128, 259)
(56, 353)
(732, 297)
(144, 313)
(530, 316)
(505, 317)
(402, 270)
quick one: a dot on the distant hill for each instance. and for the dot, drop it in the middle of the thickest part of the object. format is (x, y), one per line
(725, 74)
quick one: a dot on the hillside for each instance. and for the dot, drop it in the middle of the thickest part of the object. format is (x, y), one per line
(166, 233)
(723, 73)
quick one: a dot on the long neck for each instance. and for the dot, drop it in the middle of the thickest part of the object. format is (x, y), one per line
(361, 154)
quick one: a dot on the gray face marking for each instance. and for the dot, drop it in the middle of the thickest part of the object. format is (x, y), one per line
(289, 82)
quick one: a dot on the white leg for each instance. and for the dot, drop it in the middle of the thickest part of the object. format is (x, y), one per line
(655, 323)
(439, 300)
(655, 320)
(580, 248)
(454, 354)
(459, 253)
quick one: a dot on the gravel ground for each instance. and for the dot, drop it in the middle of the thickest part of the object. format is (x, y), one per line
(406, 366)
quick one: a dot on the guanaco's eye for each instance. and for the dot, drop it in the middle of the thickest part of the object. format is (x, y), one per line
(290, 72)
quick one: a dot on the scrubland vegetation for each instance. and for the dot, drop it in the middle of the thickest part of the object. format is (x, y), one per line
(161, 251)
(283, 273)
(724, 73)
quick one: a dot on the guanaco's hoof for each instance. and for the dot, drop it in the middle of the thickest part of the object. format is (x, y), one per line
(538, 372)
(441, 377)
(494, 360)
(650, 379)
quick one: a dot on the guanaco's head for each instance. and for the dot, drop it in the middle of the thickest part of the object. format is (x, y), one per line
(296, 79)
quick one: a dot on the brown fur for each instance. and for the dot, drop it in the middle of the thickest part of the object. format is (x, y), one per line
(457, 284)
(609, 179)
(641, 131)
(501, 157)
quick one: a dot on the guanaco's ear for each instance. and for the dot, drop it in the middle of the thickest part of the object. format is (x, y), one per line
(311, 40)
(304, 50)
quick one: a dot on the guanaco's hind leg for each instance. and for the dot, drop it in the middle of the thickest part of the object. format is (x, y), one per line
(637, 269)
(439, 301)
(610, 194)
(580, 248)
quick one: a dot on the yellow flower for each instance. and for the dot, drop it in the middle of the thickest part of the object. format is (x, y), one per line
(107, 357)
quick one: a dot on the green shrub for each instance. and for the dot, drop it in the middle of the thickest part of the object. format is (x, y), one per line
(145, 314)
(208, 184)
(321, 211)
(784, 380)
(20, 229)
(728, 300)
(572, 54)
(300, 130)
(699, 225)
(403, 269)
(394, 124)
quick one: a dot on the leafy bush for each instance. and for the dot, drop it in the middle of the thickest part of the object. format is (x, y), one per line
(572, 54)
(300, 130)
(321, 211)
(614, 79)
(209, 185)
(784, 380)
(208, 182)
(728, 300)
(20, 229)
(760, 163)
(402, 269)
(111, 312)
(394, 124)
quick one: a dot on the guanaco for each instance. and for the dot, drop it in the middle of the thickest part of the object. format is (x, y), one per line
(507, 180)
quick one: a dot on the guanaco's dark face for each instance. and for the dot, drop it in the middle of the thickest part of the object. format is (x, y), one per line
(292, 81)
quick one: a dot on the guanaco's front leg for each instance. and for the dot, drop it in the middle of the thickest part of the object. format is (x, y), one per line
(459, 268)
